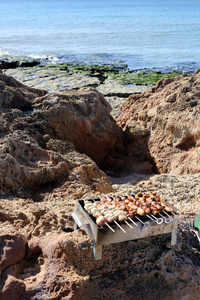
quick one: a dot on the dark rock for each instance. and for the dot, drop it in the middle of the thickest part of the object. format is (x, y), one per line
(4, 64)
(193, 103)
(12, 64)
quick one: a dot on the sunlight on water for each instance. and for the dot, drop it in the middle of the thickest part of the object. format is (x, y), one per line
(142, 33)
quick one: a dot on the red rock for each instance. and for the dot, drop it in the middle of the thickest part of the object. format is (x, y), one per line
(56, 283)
(162, 83)
(67, 269)
(13, 289)
(12, 250)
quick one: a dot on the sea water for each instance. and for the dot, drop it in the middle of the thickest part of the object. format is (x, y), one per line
(141, 33)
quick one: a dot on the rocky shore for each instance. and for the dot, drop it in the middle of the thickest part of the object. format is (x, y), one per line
(56, 79)
(115, 82)
(61, 146)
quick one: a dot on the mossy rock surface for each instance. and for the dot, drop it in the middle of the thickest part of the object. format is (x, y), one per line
(114, 73)
(141, 77)
(111, 72)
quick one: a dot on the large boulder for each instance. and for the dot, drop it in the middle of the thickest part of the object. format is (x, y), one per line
(47, 137)
(24, 164)
(63, 267)
(13, 288)
(13, 246)
(83, 118)
(12, 249)
(14, 94)
(163, 125)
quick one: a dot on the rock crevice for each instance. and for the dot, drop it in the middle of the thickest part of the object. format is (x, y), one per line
(165, 124)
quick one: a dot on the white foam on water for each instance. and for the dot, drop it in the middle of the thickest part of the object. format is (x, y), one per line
(143, 34)
(3, 52)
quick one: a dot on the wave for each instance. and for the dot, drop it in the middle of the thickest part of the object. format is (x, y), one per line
(3, 52)
(123, 62)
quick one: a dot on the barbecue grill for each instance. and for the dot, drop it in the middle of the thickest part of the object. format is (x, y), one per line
(131, 229)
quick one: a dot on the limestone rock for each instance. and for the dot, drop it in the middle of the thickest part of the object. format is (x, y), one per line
(14, 94)
(83, 118)
(164, 124)
(41, 133)
(13, 289)
(5, 226)
(63, 267)
(40, 163)
(12, 250)
(48, 276)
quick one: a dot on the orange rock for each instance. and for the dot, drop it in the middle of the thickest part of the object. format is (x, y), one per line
(163, 125)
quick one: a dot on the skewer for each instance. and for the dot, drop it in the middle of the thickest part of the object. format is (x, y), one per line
(165, 213)
(184, 223)
(158, 220)
(151, 218)
(120, 227)
(167, 220)
(146, 224)
(128, 224)
(138, 227)
(139, 220)
(169, 216)
(109, 227)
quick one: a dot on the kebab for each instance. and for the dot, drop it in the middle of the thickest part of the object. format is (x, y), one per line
(110, 209)
(130, 209)
(106, 213)
(142, 204)
(157, 206)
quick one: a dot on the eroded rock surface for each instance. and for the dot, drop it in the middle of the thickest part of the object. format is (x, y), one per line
(40, 147)
(83, 118)
(63, 267)
(42, 175)
(164, 124)
(12, 250)
(13, 288)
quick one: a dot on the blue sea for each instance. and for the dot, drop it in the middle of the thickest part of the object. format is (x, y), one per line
(152, 34)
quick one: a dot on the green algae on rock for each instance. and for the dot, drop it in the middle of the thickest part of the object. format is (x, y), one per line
(141, 77)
